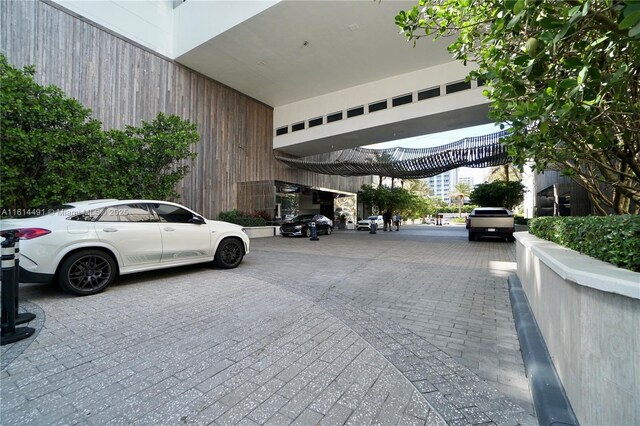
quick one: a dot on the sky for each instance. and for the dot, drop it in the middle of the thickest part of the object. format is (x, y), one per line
(436, 139)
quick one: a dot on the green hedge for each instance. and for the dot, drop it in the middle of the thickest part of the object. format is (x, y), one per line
(613, 239)
(243, 219)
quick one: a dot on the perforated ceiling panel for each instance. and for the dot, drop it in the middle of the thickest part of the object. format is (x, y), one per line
(410, 163)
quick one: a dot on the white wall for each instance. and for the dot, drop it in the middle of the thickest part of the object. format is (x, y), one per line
(371, 92)
(529, 181)
(588, 312)
(196, 22)
(170, 31)
(148, 22)
(385, 89)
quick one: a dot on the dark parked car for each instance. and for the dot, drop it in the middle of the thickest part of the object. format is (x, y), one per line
(301, 225)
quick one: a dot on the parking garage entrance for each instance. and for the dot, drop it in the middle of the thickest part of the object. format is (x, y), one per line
(284, 200)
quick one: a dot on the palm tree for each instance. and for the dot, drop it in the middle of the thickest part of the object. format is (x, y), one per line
(504, 172)
(460, 192)
(382, 158)
(418, 187)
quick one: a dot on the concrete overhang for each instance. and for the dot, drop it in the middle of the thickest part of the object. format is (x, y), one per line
(287, 51)
(458, 110)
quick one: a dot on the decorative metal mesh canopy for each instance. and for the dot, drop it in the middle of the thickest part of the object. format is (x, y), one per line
(409, 163)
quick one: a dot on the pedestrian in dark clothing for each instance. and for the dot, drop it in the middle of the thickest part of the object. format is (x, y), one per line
(387, 220)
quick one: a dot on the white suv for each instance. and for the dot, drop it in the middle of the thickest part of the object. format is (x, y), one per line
(366, 223)
(86, 244)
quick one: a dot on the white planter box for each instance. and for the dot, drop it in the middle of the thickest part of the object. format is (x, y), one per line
(262, 231)
(588, 312)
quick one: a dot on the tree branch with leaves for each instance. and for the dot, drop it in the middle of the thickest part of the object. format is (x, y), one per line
(52, 151)
(565, 76)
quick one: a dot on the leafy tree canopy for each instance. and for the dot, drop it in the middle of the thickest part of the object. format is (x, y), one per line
(52, 151)
(383, 198)
(151, 153)
(403, 201)
(49, 143)
(498, 194)
(564, 75)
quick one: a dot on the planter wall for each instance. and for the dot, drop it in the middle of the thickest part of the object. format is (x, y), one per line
(262, 231)
(588, 312)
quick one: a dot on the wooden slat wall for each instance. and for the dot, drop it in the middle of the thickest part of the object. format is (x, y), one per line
(256, 196)
(124, 84)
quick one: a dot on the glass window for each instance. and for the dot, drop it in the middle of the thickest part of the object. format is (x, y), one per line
(88, 216)
(172, 214)
(127, 213)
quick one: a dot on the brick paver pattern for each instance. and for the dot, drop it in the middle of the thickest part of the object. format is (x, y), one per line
(409, 327)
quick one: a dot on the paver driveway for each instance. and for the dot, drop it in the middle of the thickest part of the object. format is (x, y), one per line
(408, 327)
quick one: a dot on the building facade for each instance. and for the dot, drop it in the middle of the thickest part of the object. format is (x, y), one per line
(443, 184)
(124, 83)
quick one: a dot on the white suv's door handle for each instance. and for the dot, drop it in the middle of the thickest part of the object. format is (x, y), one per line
(110, 230)
(169, 229)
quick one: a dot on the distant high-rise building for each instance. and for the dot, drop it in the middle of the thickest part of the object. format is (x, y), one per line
(469, 180)
(443, 184)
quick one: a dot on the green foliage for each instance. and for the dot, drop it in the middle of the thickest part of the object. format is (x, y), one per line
(409, 205)
(459, 193)
(143, 162)
(384, 198)
(450, 208)
(498, 194)
(425, 206)
(53, 152)
(520, 220)
(244, 219)
(49, 145)
(564, 75)
(505, 172)
(613, 239)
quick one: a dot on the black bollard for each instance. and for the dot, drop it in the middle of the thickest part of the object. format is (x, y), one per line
(314, 232)
(9, 333)
(374, 227)
(24, 317)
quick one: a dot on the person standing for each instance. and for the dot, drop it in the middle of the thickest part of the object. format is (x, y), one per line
(387, 220)
(398, 220)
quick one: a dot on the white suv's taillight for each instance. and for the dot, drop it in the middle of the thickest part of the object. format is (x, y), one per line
(30, 233)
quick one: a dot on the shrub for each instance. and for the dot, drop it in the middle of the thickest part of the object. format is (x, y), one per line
(243, 219)
(519, 220)
(53, 152)
(263, 214)
(498, 194)
(613, 239)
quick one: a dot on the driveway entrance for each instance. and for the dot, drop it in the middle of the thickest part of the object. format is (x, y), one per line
(408, 327)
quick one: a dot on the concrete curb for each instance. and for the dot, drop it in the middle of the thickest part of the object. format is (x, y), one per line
(549, 398)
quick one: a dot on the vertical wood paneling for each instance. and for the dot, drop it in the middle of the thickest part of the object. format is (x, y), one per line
(124, 84)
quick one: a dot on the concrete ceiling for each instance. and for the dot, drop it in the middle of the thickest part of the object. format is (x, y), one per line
(301, 49)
